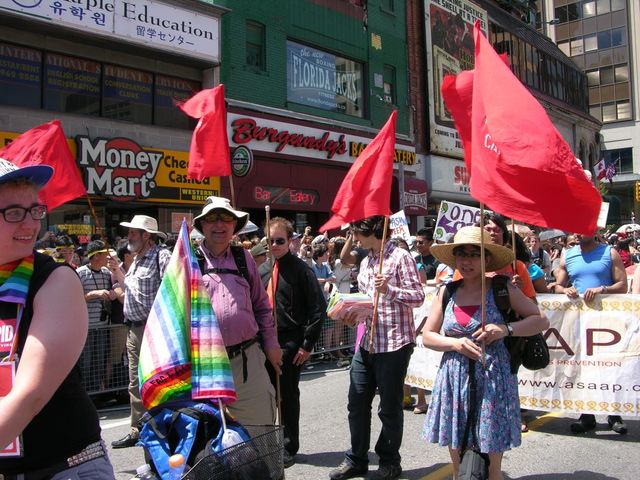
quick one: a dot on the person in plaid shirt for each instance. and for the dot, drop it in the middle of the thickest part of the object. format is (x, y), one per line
(141, 283)
(385, 366)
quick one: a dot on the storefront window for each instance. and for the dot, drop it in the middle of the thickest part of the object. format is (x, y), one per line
(20, 76)
(71, 85)
(127, 94)
(167, 90)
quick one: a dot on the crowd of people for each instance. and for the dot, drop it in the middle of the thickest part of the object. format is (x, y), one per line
(272, 316)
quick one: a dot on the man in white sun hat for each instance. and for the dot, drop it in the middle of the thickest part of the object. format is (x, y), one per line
(242, 308)
(141, 283)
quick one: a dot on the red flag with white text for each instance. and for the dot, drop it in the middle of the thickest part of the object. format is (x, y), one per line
(520, 166)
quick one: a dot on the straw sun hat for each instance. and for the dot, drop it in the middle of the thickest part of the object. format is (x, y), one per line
(499, 255)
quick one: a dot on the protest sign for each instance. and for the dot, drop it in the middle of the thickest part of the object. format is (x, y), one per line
(399, 226)
(452, 217)
(7, 373)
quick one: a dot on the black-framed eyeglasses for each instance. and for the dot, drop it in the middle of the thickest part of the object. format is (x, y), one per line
(17, 214)
(278, 241)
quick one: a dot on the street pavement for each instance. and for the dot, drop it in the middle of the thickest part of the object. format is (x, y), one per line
(548, 452)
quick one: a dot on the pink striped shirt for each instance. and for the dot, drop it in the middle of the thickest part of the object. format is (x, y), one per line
(394, 325)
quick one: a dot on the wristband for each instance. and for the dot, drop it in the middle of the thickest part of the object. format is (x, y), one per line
(604, 289)
(509, 330)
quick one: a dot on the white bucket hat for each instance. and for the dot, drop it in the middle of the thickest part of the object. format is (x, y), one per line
(220, 203)
(499, 255)
(146, 223)
(38, 174)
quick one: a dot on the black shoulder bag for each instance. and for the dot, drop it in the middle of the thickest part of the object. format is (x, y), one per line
(474, 465)
(530, 352)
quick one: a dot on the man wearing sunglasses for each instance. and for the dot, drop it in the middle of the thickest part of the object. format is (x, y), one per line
(427, 263)
(300, 311)
(242, 308)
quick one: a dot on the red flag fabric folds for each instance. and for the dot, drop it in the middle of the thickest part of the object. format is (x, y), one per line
(47, 145)
(520, 165)
(209, 153)
(366, 189)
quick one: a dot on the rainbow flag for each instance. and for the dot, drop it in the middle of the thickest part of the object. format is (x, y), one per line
(182, 354)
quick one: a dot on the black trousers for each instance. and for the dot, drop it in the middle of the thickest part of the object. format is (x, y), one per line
(289, 391)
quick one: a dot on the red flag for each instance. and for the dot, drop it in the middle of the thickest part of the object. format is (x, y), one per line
(209, 152)
(366, 189)
(47, 145)
(520, 165)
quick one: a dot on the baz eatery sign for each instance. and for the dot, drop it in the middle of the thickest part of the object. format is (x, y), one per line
(267, 135)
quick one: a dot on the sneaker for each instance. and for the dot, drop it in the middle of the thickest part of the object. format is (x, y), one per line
(129, 440)
(346, 470)
(585, 423)
(288, 460)
(387, 472)
(616, 424)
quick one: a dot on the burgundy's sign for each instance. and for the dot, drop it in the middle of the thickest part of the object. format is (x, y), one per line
(246, 129)
(285, 196)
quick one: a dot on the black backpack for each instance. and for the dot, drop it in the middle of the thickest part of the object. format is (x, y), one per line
(532, 352)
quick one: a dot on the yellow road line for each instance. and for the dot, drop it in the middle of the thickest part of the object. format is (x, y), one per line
(547, 417)
(440, 474)
(447, 470)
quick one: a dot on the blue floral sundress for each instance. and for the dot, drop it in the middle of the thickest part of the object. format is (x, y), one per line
(498, 421)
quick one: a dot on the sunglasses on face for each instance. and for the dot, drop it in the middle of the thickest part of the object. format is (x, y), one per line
(219, 217)
(463, 254)
(278, 241)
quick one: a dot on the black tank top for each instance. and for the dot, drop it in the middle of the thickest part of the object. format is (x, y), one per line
(69, 421)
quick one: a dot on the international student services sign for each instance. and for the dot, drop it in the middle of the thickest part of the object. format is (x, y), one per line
(148, 22)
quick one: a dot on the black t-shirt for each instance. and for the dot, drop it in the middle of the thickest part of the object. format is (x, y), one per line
(428, 264)
(69, 421)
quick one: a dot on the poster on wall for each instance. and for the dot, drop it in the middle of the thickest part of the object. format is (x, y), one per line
(450, 49)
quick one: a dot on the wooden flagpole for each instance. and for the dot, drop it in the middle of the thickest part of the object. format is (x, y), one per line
(267, 210)
(513, 246)
(374, 315)
(483, 285)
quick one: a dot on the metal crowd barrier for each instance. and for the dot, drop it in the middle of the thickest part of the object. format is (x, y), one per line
(336, 342)
(103, 362)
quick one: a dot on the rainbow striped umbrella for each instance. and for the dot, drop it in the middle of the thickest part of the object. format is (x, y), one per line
(182, 354)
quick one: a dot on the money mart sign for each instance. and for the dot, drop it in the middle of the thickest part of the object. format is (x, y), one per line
(154, 24)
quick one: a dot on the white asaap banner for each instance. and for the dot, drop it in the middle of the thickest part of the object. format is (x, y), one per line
(595, 357)
(149, 22)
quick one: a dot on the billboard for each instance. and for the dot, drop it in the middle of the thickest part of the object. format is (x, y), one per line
(450, 49)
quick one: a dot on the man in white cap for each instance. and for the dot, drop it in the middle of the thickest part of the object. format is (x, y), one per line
(242, 309)
(141, 283)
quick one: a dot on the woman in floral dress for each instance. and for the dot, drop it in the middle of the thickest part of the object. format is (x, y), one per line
(497, 403)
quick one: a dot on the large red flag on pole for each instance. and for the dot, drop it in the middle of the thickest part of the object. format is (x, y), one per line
(366, 189)
(209, 152)
(520, 165)
(47, 145)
